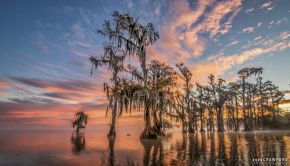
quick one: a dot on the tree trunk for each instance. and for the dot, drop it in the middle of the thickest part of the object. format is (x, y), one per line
(161, 123)
(246, 127)
(237, 127)
(211, 123)
(78, 129)
(195, 123)
(190, 123)
(261, 105)
(148, 132)
(112, 132)
(220, 119)
(201, 122)
(184, 126)
(158, 124)
(262, 116)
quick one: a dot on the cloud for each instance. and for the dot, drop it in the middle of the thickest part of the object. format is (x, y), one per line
(250, 10)
(266, 5)
(220, 64)
(281, 21)
(46, 112)
(2, 91)
(234, 42)
(278, 22)
(4, 83)
(248, 29)
(285, 35)
(271, 22)
(35, 82)
(258, 37)
(185, 33)
(40, 44)
(51, 84)
(70, 90)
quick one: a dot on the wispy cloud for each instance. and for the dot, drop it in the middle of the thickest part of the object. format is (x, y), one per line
(285, 35)
(248, 29)
(4, 83)
(234, 42)
(251, 28)
(250, 10)
(267, 5)
(70, 90)
(39, 111)
(2, 91)
(281, 21)
(184, 34)
(40, 45)
(220, 64)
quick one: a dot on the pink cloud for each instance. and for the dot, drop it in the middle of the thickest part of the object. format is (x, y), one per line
(2, 91)
(180, 37)
(266, 5)
(4, 83)
(221, 64)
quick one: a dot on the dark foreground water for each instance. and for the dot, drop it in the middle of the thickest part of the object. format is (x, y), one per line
(62, 148)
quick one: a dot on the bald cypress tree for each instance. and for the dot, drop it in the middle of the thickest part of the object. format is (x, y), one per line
(126, 37)
(186, 102)
(244, 74)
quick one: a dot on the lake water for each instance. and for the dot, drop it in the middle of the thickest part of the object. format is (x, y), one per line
(28, 148)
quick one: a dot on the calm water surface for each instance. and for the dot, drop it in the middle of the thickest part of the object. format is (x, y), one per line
(93, 148)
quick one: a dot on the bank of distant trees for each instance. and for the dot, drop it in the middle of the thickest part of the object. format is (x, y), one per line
(168, 96)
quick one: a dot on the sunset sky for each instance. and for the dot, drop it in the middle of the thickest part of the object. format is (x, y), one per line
(45, 46)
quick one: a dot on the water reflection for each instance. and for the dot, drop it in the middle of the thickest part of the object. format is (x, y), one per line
(212, 148)
(111, 158)
(157, 156)
(79, 142)
(94, 148)
(234, 154)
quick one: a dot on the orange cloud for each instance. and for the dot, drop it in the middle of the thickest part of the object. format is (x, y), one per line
(3, 83)
(220, 64)
(69, 90)
(2, 91)
(48, 113)
(180, 37)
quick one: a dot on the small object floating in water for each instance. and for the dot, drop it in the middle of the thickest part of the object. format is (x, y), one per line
(128, 134)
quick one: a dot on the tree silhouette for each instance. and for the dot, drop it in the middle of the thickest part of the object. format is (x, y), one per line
(114, 58)
(126, 37)
(244, 74)
(233, 104)
(185, 103)
(80, 121)
(153, 87)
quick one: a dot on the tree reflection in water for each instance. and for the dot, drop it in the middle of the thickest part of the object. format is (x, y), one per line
(79, 142)
(111, 158)
(227, 148)
(234, 154)
(207, 148)
(222, 157)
